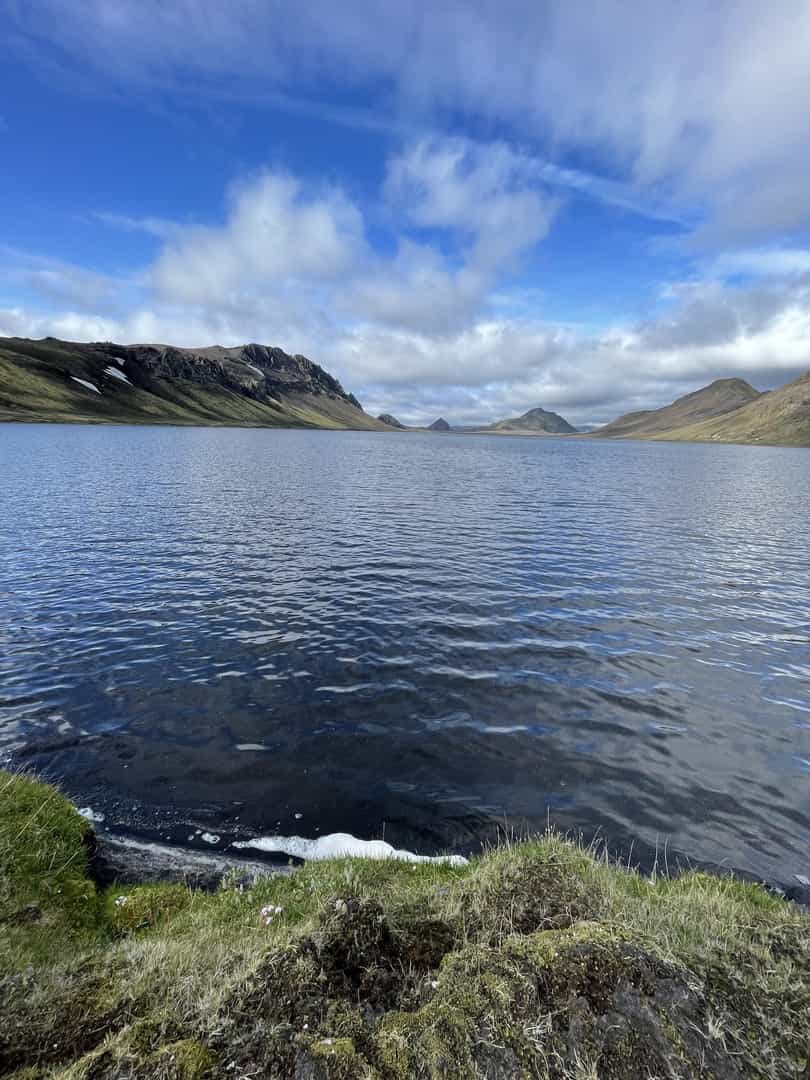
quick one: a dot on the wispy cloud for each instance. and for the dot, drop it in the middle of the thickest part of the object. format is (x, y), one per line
(153, 226)
(695, 106)
(764, 262)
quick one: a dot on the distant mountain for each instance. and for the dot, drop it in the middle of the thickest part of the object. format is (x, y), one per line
(439, 425)
(252, 385)
(536, 421)
(780, 417)
(391, 421)
(719, 398)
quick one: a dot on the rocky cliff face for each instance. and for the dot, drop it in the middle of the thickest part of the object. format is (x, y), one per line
(256, 385)
(262, 370)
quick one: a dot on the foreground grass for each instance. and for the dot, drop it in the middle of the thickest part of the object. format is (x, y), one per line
(537, 960)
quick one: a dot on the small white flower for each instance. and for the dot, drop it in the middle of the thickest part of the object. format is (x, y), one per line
(120, 901)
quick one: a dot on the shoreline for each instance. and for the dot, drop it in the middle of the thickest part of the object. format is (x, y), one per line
(536, 958)
(543, 436)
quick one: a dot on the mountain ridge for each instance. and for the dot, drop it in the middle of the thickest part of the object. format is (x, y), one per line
(104, 382)
(727, 410)
(716, 399)
(779, 417)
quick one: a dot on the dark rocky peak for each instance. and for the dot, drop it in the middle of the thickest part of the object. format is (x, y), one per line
(260, 370)
(439, 425)
(387, 418)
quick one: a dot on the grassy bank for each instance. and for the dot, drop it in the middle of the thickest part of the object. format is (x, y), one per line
(536, 960)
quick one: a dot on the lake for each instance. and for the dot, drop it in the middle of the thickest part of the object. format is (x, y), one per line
(421, 638)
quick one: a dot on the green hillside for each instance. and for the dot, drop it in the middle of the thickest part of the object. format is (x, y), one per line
(779, 418)
(251, 385)
(718, 398)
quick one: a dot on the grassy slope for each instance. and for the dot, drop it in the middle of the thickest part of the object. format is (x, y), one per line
(35, 385)
(536, 960)
(534, 422)
(717, 399)
(781, 418)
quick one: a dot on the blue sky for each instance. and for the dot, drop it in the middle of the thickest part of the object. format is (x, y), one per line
(465, 209)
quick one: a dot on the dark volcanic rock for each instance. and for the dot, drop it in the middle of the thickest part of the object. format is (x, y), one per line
(387, 418)
(439, 425)
(265, 369)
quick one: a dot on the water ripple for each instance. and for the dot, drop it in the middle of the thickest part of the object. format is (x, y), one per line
(426, 637)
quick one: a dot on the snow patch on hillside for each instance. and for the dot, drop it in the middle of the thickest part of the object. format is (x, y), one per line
(84, 382)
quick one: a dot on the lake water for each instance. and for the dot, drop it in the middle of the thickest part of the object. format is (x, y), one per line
(416, 637)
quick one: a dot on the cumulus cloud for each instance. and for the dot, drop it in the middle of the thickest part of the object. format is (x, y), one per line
(500, 364)
(500, 367)
(485, 192)
(274, 232)
(432, 322)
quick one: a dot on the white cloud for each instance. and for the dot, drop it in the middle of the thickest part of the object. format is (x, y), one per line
(487, 192)
(153, 226)
(485, 200)
(273, 233)
(700, 103)
(767, 262)
(432, 326)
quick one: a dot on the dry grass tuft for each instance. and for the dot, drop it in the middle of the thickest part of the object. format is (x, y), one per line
(541, 958)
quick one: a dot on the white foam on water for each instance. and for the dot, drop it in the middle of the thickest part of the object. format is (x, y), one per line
(84, 382)
(89, 814)
(340, 845)
(210, 838)
(116, 374)
(251, 746)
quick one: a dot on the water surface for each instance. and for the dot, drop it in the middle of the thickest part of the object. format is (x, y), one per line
(414, 637)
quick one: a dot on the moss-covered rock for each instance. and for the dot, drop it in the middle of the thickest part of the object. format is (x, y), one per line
(186, 1059)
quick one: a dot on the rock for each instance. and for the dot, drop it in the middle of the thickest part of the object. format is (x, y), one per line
(439, 425)
(387, 418)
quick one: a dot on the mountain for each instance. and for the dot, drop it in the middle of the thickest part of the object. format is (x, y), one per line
(780, 417)
(439, 425)
(100, 382)
(717, 399)
(535, 421)
(391, 421)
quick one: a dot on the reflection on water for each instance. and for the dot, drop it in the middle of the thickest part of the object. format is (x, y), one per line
(412, 636)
